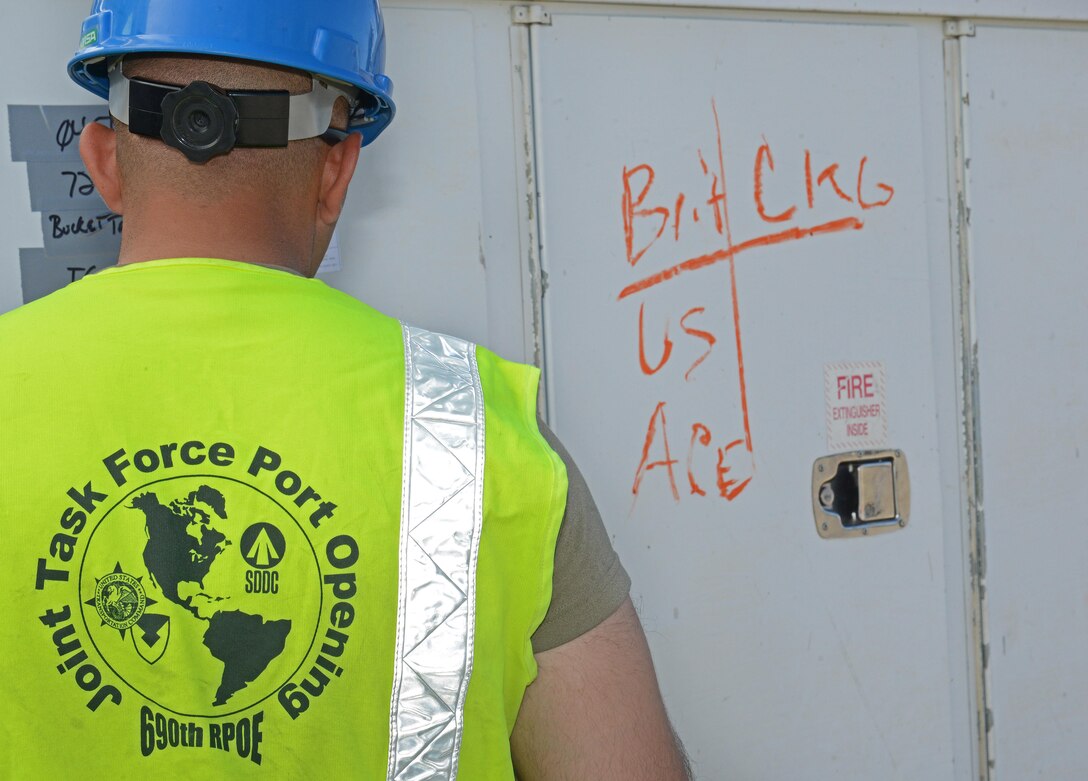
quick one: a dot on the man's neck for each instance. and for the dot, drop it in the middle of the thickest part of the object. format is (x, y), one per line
(230, 232)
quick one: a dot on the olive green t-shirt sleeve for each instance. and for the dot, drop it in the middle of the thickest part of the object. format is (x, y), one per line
(589, 583)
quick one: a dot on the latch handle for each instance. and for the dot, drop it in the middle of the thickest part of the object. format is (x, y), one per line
(860, 493)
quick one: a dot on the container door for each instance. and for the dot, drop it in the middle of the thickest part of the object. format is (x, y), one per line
(744, 222)
(1028, 167)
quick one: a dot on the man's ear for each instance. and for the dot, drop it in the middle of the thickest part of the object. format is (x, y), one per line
(98, 148)
(335, 177)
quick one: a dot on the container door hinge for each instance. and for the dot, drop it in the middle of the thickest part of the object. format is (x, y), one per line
(959, 28)
(531, 14)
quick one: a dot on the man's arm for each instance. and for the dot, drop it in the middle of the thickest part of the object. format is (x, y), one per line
(595, 711)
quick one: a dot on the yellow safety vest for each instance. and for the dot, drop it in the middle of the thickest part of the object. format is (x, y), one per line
(251, 527)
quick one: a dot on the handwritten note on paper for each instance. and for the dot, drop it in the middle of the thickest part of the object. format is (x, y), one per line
(330, 264)
(79, 233)
(659, 224)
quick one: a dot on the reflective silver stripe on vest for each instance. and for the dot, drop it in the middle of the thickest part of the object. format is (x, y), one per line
(441, 517)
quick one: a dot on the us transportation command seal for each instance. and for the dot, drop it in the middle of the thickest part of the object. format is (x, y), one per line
(120, 600)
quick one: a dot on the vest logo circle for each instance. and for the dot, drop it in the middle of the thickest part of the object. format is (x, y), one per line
(229, 600)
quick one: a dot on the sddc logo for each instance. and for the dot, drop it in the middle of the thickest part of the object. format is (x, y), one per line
(263, 547)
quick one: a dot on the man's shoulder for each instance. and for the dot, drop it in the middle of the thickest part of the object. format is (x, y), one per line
(32, 321)
(134, 311)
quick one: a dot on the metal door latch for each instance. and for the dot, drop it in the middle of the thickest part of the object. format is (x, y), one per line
(860, 493)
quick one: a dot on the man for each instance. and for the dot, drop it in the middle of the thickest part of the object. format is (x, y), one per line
(290, 537)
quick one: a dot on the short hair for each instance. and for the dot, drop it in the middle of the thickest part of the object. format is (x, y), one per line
(150, 163)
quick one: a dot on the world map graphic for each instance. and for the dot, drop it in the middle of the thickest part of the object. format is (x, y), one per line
(183, 547)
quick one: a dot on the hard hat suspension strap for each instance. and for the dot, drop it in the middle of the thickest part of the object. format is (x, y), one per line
(203, 121)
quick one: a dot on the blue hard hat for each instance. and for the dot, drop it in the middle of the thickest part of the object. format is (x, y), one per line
(339, 40)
